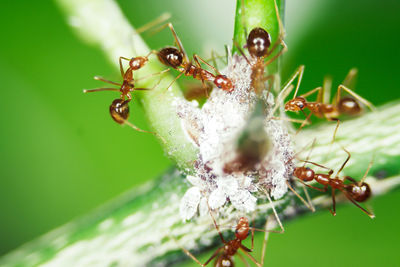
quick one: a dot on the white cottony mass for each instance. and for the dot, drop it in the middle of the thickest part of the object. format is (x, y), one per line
(215, 128)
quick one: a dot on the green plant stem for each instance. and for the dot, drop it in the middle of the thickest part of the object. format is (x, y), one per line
(101, 22)
(256, 13)
(136, 229)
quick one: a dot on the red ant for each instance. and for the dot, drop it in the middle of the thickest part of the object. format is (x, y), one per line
(258, 43)
(355, 191)
(178, 59)
(224, 254)
(330, 111)
(119, 108)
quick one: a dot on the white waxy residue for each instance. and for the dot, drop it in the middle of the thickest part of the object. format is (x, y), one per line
(215, 129)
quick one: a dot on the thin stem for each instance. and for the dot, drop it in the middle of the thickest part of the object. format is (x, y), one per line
(257, 13)
(101, 22)
(136, 229)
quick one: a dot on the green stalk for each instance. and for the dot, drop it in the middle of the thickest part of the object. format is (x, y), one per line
(256, 13)
(101, 23)
(136, 229)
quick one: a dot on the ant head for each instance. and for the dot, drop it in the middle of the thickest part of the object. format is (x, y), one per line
(348, 105)
(119, 110)
(242, 228)
(258, 42)
(137, 62)
(304, 173)
(359, 192)
(223, 82)
(224, 261)
(170, 56)
(297, 104)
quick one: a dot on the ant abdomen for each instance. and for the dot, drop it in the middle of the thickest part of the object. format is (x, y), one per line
(349, 106)
(224, 261)
(258, 42)
(170, 56)
(119, 110)
(359, 192)
(223, 82)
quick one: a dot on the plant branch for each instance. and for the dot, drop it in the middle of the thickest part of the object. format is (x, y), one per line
(101, 22)
(136, 229)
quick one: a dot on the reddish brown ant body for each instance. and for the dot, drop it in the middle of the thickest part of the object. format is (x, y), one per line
(354, 191)
(119, 108)
(258, 44)
(178, 59)
(330, 111)
(224, 254)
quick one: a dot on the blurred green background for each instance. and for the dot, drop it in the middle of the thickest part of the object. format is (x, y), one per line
(62, 155)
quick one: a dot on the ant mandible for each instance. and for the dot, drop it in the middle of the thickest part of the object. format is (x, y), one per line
(330, 111)
(119, 108)
(355, 191)
(258, 43)
(178, 59)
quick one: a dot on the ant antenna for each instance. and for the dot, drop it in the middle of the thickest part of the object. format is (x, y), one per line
(163, 17)
(367, 171)
(345, 162)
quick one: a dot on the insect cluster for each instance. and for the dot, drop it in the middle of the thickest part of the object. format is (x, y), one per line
(230, 168)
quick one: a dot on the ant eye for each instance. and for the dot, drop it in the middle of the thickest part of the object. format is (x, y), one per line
(219, 86)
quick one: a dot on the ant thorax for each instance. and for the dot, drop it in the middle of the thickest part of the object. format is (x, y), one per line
(214, 129)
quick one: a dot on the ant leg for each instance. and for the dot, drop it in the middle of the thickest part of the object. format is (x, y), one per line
(283, 50)
(177, 40)
(270, 83)
(215, 224)
(308, 197)
(371, 215)
(350, 179)
(308, 205)
(241, 52)
(289, 119)
(163, 17)
(246, 252)
(275, 214)
(280, 38)
(356, 96)
(144, 131)
(336, 128)
(100, 89)
(187, 252)
(319, 165)
(298, 73)
(345, 162)
(98, 78)
(326, 88)
(333, 202)
(264, 247)
(304, 122)
(282, 96)
(121, 67)
(197, 58)
(243, 259)
(318, 89)
(350, 79)
(367, 171)
(314, 187)
(174, 80)
(152, 75)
